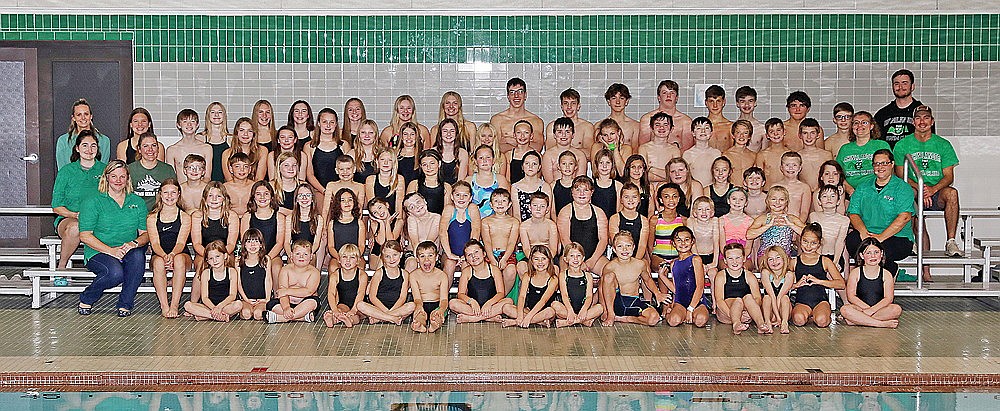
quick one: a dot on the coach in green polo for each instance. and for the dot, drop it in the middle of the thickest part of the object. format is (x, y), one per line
(882, 207)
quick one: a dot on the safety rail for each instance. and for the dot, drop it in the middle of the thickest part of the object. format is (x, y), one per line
(920, 215)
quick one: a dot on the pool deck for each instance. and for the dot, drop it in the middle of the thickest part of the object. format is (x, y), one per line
(941, 344)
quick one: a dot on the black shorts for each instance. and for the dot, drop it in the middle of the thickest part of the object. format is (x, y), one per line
(707, 259)
(935, 203)
(277, 301)
(430, 306)
(629, 305)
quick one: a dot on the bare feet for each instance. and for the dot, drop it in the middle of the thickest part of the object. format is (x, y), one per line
(508, 322)
(589, 323)
(419, 327)
(740, 327)
(891, 323)
(745, 317)
(560, 323)
(328, 319)
(784, 328)
(764, 329)
(463, 318)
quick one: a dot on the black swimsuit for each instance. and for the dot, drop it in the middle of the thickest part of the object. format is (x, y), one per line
(386, 193)
(810, 295)
(576, 287)
(634, 228)
(268, 229)
(389, 289)
(606, 198)
(218, 290)
(584, 231)
(305, 232)
(561, 196)
(871, 291)
(213, 231)
(720, 201)
(168, 232)
(367, 169)
(516, 168)
(735, 287)
(449, 171)
(252, 280)
(345, 233)
(535, 295)
(433, 195)
(405, 166)
(347, 291)
(482, 289)
(325, 164)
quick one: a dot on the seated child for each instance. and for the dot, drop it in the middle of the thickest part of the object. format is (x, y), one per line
(737, 295)
(388, 289)
(295, 299)
(346, 289)
(480, 289)
(623, 278)
(576, 288)
(429, 287)
(533, 299)
(219, 281)
(870, 290)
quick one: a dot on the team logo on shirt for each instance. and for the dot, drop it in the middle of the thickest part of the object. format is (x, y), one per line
(858, 165)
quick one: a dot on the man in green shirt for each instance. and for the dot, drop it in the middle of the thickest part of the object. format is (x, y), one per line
(882, 207)
(936, 159)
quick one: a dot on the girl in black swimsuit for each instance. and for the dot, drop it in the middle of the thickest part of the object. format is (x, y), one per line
(346, 225)
(575, 303)
(737, 294)
(255, 275)
(814, 275)
(776, 279)
(480, 288)
(388, 289)
(538, 285)
(429, 183)
(346, 289)
(870, 290)
(382, 228)
(454, 156)
(168, 242)
(305, 224)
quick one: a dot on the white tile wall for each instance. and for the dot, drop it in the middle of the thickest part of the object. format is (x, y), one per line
(961, 93)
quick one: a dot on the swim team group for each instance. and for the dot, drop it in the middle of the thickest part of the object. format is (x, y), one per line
(667, 218)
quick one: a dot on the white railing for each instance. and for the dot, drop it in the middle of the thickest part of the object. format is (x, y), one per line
(908, 159)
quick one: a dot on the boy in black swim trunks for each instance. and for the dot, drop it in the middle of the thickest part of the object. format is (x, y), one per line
(295, 299)
(621, 283)
(429, 287)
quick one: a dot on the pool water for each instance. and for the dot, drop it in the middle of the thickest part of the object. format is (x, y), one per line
(467, 401)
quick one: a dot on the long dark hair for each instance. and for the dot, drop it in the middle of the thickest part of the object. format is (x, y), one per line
(79, 140)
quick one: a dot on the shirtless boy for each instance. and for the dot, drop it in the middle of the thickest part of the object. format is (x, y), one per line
(537, 230)
(500, 232)
(583, 137)
(799, 193)
(621, 283)
(295, 299)
(769, 159)
(798, 104)
(618, 97)
(740, 154)
(666, 95)
(701, 155)
(187, 124)
(517, 94)
(659, 150)
(843, 113)
(746, 101)
(812, 157)
(239, 187)
(429, 287)
(191, 190)
(715, 101)
(345, 171)
(564, 136)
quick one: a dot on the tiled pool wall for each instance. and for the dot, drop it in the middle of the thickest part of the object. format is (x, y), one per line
(190, 60)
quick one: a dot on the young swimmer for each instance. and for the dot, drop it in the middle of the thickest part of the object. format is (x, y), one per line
(304, 223)
(740, 155)
(629, 220)
(487, 135)
(776, 278)
(659, 150)
(387, 183)
(690, 305)
(287, 143)
(581, 222)
(769, 158)
(667, 93)
(382, 227)
(345, 226)
(583, 136)
(459, 224)
(831, 173)
(485, 180)
(451, 108)
(194, 186)
(455, 162)
(870, 290)
(834, 224)
(576, 289)
(214, 220)
(623, 279)
(814, 274)
(388, 289)
(719, 190)
(409, 147)
(404, 110)
(531, 183)
(219, 280)
(776, 226)
(562, 192)
(812, 156)
(262, 118)
(365, 151)
(429, 183)
(618, 97)
(429, 287)
(255, 275)
(700, 156)
(799, 193)
(715, 101)
(734, 225)
(737, 295)
(662, 225)
(609, 137)
(187, 124)
(421, 225)
(706, 231)
(538, 285)
(511, 162)
(500, 232)
(346, 289)
(323, 150)
(240, 184)
(168, 242)
(606, 185)
(245, 141)
(563, 143)
(295, 299)
(300, 119)
(842, 114)
(286, 182)
(679, 172)
(636, 173)
(756, 196)
(537, 230)
(262, 214)
(480, 288)
(345, 175)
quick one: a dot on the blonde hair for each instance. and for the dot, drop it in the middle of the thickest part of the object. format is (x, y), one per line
(705, 200)
(394, 173)
(226, 206)
(220, 247)
(543, 250)
(346, 129)
(395, 122)
(762, 263)
(279, 192)
(459, 117)
(254, 119)
(113, 166)
(359, 149)
(574, 246)
(780, 190)
(350, 249)
(225, 120)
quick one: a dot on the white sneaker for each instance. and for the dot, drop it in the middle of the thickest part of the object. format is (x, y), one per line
(951, 249)
(271, 317)
(309, 317)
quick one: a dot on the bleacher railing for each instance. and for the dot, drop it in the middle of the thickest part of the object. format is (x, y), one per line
(911, 164)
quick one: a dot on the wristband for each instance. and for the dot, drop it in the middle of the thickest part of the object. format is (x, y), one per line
(690, 309)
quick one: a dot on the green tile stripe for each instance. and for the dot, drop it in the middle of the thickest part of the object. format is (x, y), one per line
(530, 39)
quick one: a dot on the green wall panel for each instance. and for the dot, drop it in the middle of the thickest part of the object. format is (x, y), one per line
(529, 39)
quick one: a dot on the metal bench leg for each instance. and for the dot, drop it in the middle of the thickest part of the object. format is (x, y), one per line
(36, 292)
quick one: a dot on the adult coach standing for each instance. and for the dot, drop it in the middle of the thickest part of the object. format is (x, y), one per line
(896, 118)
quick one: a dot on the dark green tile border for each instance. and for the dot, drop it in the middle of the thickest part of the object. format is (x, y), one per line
(529, 39)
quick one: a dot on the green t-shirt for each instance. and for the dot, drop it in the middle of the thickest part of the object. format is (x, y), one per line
(879, 209)
(65, 143)
(74, 185)
(111, 224)
(146, 182)
(857, 160)
(932, 156)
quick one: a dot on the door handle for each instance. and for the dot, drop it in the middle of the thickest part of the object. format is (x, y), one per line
(31, 158)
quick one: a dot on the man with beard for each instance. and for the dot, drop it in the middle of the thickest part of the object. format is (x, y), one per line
(896, 118)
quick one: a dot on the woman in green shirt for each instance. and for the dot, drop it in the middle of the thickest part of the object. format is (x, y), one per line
(855, 157)
(75, 184)
(113, 229)
(81, 120)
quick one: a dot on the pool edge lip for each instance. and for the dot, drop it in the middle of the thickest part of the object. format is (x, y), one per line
(495, 381)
